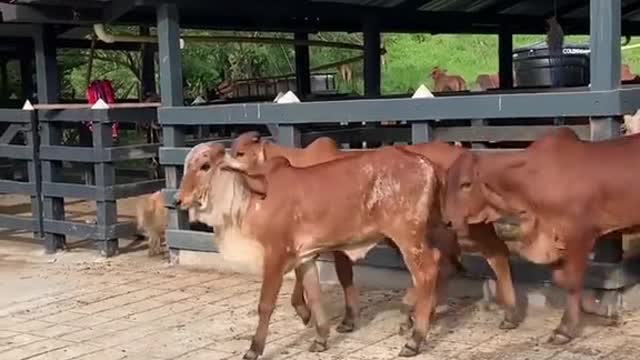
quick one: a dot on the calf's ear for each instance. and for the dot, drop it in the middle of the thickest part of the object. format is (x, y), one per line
(257, 184)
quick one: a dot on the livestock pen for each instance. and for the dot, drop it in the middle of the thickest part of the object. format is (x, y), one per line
(498, 119)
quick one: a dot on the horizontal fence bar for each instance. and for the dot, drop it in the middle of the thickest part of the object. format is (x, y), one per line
(14, 116)
(485, 106)
(599, 275)
(190, 240)
(85, 106)
(378, 134)
(76, 191)
(138, 188)
(173, 156)
(17, 222)
(95, 193)
(123, 115)
(90, 231)
(19, 152)
(502, 133)
(17, 187)
(131, 152)
(93, 155)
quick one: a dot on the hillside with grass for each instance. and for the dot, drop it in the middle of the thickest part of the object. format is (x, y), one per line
(411, 57)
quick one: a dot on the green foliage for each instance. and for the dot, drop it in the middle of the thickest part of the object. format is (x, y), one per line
(409, 60)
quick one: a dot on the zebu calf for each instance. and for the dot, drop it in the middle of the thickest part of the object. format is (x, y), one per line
(567, 193)
(251, 150)
(280, 218)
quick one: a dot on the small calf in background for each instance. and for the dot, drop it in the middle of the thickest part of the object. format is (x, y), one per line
(631, 124)
(151, 218)
(443, 82)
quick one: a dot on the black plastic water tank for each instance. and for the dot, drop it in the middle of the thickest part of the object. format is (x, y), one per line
(533, 65)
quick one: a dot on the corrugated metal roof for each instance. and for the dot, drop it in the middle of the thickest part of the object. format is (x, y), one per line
(483, 16)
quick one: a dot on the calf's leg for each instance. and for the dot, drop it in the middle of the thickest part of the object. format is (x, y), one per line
(308, 272)
(421, 260)
(569, 274)
(155, 244)
(497, 254)
(344, 270)
(271, 283)
(298, 302)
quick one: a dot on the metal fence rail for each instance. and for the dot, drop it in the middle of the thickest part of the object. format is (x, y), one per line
(103, 156)
(19, 142)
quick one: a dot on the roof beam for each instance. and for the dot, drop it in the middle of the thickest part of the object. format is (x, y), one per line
(412, 4)
(117, 8)
(566, 8)
(630, 8)
(501, 6)
(49, 14)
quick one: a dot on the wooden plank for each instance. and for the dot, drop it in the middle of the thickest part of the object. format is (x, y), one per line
(502, 133)
(88, 106)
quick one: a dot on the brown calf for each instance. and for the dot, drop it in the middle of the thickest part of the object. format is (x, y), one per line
(151, 218)
(443, 82)
(251, 150)
(566, 192)
(280, 218)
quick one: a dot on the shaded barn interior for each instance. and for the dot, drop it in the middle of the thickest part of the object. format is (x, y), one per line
(508, 117)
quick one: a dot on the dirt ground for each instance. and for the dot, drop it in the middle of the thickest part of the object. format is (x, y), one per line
(76, 305)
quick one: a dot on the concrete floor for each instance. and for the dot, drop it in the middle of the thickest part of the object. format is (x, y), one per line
(75, 305)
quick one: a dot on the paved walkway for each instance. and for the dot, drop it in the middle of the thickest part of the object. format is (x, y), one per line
(77, 306)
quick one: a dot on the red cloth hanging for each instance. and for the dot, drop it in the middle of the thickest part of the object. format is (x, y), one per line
(102, 89)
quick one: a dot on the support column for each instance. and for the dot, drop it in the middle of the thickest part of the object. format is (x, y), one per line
(106, 210)
(505, 57)
(47, 82)
(171, 91)
(303, 73)
(371, 34)
(4, 80)
(148, 75)
(26, 74)
(605, 75)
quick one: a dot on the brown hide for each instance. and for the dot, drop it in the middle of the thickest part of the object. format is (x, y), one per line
(485, 81)
(348, 204)
(443, 82)
(151, 218)
(566, 192)
(248, 147)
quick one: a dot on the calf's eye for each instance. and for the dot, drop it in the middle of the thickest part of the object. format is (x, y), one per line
(239, 154)
(205, 167)
(465, 185)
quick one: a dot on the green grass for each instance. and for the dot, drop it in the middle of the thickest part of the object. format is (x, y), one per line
(410, 58)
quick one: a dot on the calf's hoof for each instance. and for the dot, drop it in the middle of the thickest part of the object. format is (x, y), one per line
(511, 319)
(318, 346)
(346, 326)
(508, 325)
(250, 355)
(559, 338)
(409, 350)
